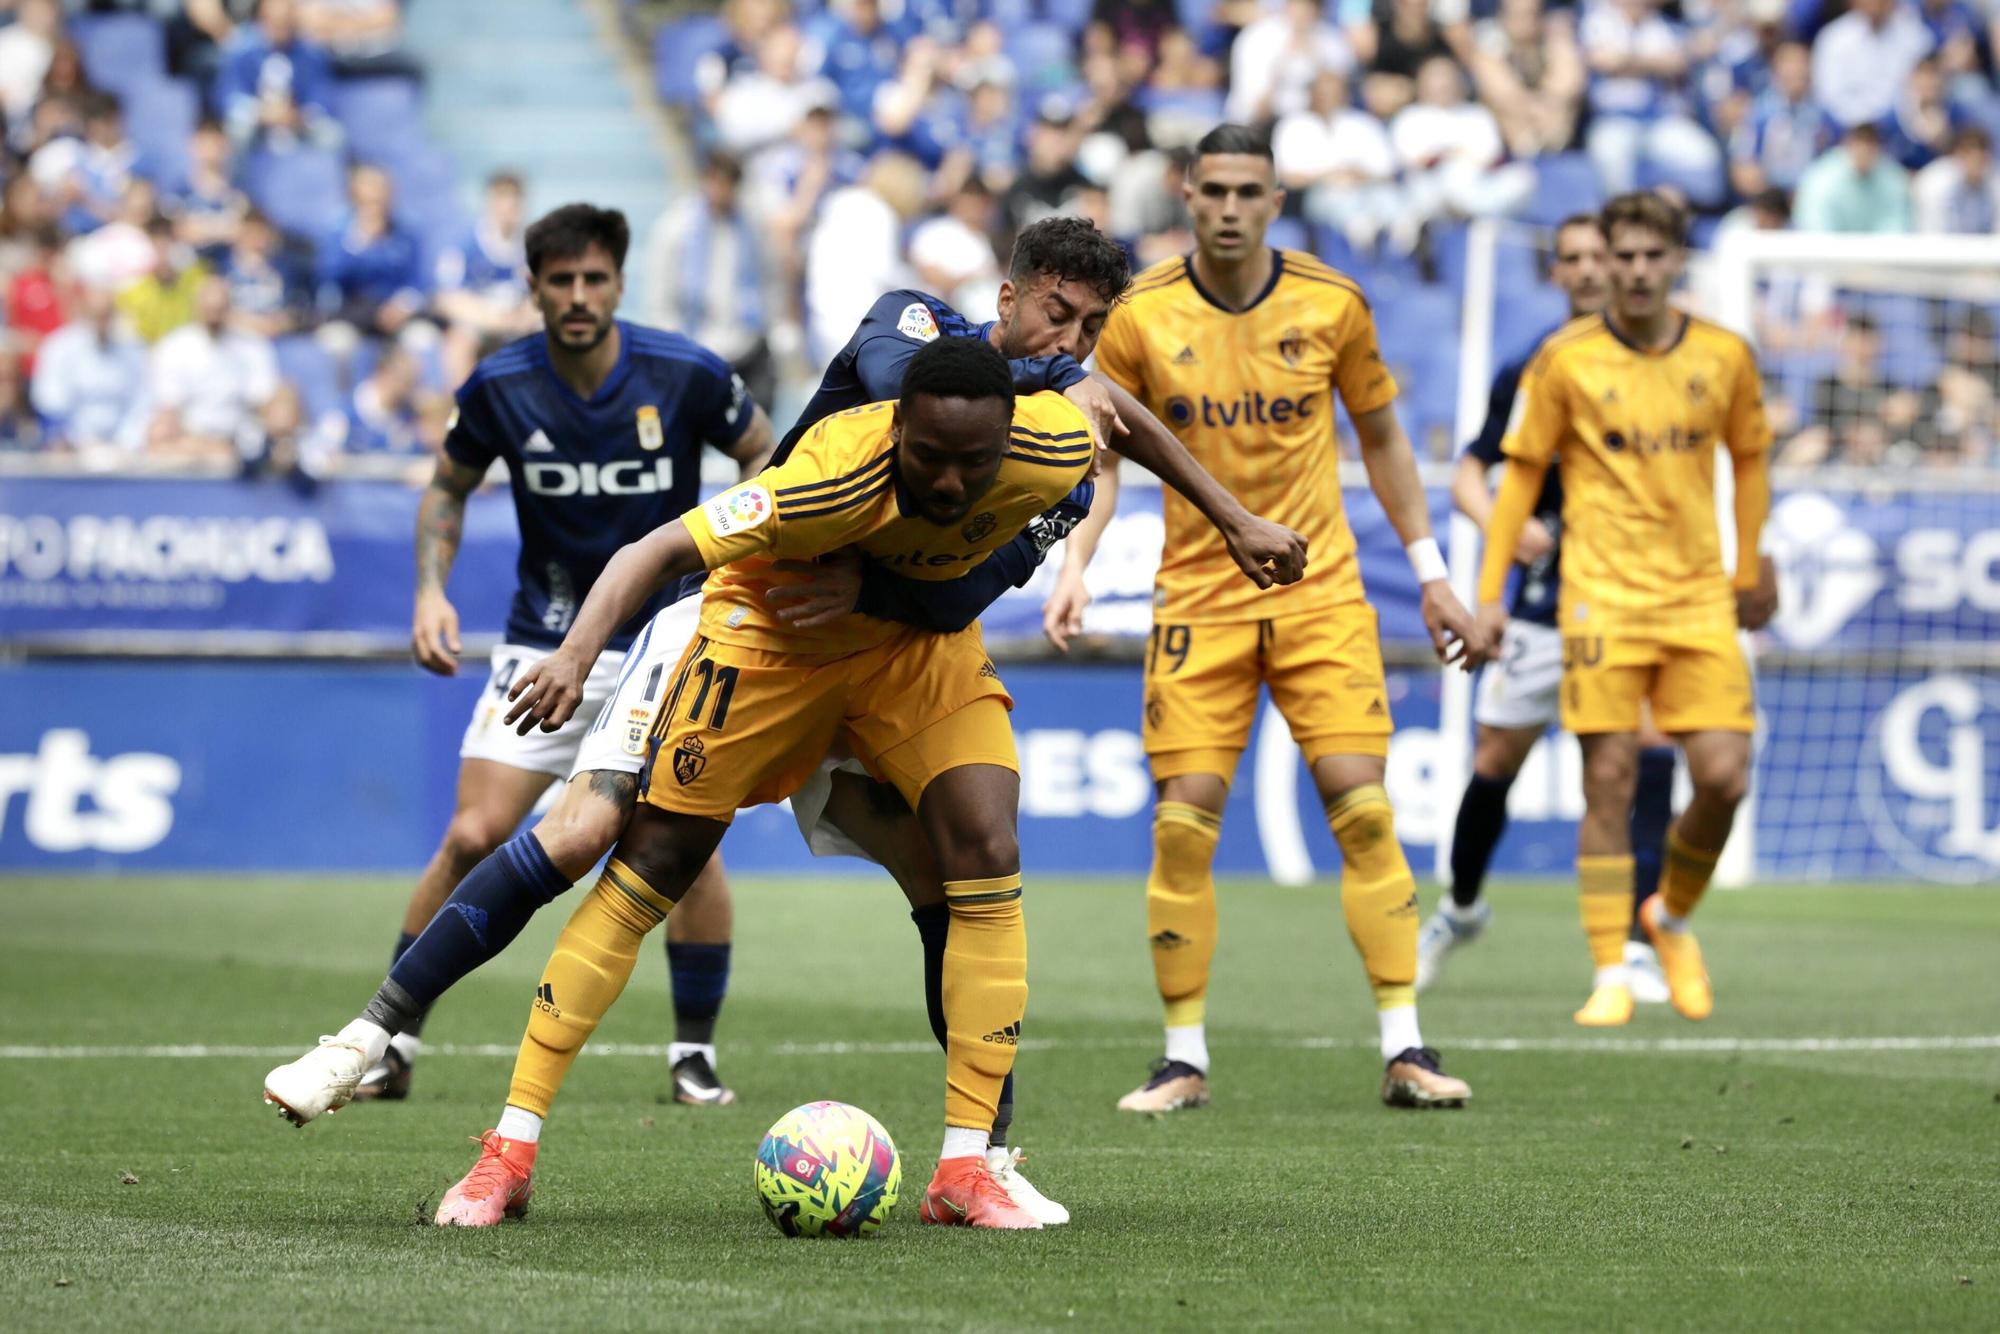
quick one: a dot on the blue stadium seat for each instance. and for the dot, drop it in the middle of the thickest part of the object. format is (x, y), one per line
(1288, 234)
(1197, 16)
(1565, 183)
(1415, 322)
(1072, 15)
(120, 51)
(427, 194)
(678, 47)
(309, 368)
(1043, 56)
(302, 190)
(380, 115)
(1330, 244)
(160, 117)
(1523, 318)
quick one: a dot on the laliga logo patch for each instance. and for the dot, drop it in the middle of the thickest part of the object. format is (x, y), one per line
(650, 434)
(689, 761)
(979, 527)
(1827, 570)
(738, 511)
(917, 322)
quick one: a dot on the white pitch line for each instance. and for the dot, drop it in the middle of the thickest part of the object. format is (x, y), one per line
(658, 1050)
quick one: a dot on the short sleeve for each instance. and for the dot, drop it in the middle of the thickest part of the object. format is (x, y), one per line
(721, 403)
(1121, 353)
(1541, 415)
(1749, 432)
(469, 439)
(806, 506)
(1358, 369)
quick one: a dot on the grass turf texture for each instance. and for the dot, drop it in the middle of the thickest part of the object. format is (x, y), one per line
(1831, 1189)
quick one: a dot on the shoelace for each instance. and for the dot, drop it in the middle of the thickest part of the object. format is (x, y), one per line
(490, 1173)
(1014, 1160)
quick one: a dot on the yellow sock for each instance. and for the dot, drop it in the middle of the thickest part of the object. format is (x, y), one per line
(592, 962)
(1180, 908)
(985, 995)
(1684, 875)
(1604, 900)
(1378, 894)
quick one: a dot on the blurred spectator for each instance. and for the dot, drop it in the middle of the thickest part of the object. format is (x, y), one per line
(1049, 174)
(1148, 200)
(87, 176)
(1529, 70)
(35, 295)
(209, 209)
(1274, 61)
(1854, 187)
(1338, 159)
(860, 55)
(954, 257)
(746, 21)
(26, 47)
(20, 428)
(164, 299)
(1450, 152)
(1640, 117)
(23, 215)
(290, 449)
(1958, 416)
(274, 84)
(268, 292)
(1922, 123)
(370, 280)
(706, 275)
(992, 129)
(785, 187)
(362, 36)
(387, 411)
(1855, 417)
(482, 281)
(1861, 59)
(1784, 130)
(758, 110)
(855, 252)
(1136, 25)
(90, 379)
(1394, 38)
(122, 251)
(208, 385)
(1959, 192)
(917, 112)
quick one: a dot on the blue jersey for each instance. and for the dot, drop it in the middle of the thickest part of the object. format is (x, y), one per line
(591, 476)
(1535, 594)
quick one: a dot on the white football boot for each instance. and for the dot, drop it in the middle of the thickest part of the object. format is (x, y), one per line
(322, 1080)
(1644, 977)
(1444, 931)
(1005, 1167)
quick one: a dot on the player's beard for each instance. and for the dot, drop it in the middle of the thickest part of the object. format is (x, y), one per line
(600, 330)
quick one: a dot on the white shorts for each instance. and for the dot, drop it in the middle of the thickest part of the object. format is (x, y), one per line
(488, 737)
(1524, 687)
(822, 838)
(620, 726)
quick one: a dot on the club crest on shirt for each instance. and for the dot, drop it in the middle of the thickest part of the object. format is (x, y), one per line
(1291, 345)
(638, 725)
(1697, 388)
(917, 322)
(980, 525)
(689, 761)
(650, 434)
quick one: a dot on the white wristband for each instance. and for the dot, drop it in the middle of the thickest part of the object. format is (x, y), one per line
(1427, 560)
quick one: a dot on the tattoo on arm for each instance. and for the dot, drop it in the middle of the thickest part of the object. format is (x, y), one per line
(620, 789)
(441, 521)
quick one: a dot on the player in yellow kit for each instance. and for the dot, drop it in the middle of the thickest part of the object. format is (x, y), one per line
(929, 486)
(1634, 401)
(1240, 350)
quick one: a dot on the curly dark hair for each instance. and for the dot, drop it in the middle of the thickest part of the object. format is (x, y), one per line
(1074, 251)
(568, 231)
(958, 368)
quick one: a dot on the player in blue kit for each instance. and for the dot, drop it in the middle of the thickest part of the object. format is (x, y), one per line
(601, 425)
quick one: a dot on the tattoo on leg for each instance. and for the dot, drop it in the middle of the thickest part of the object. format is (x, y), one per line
(620, 789)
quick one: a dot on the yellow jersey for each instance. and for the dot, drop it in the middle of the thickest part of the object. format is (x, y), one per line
(1250, 394)
(1635, 432)
(838, 489)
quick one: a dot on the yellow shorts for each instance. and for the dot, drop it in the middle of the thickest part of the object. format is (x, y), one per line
(744, 726)
(1695, 683)
(1324, 668)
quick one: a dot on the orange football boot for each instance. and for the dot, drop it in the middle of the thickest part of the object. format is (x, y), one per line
(497, 1187)
(964, 1194)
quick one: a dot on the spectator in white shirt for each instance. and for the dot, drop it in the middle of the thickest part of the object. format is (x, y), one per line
(855, 252)
(1450, 151)
(759, 110)
(1338, 158)
(90, 379)
(1958, 192)
(210, 385)
(1861, 59)
(1274, 61)
(1639, 107)
(27, 45)
(954, 257)
(707, 275)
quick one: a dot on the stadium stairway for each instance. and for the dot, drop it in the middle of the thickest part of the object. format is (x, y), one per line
(535, 85)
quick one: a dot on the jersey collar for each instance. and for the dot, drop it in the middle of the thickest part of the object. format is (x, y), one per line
(1604, 318)
(612, 382)
(1277, 272)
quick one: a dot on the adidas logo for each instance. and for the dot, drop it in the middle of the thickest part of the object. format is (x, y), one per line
(545, 1001)
(1186, 357)
(1374, 709)
(1409, 909)
(538, 443)
(1010, 1035)
(475, 920)
(1170, 940)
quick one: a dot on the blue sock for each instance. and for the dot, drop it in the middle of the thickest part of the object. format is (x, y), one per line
(1482, 818)
(481, 918)
(403, 942)
(700, 978)
(1652, 812)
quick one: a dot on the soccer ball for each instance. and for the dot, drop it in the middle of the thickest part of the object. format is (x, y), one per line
(828, 1169)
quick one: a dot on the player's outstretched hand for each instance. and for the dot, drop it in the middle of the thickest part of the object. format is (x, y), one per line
(1756, 606)
(1489, 630)
(1062, 614)
(434, 633)
(547, 693)
(818, 591)
(1095, 401)
(1269, 553)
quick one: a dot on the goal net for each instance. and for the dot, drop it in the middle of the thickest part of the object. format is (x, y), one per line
(1879, 682)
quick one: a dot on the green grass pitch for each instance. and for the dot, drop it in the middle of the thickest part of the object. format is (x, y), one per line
(1814, 1179)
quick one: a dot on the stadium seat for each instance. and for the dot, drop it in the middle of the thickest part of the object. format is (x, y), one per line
(160, 117)
(1565, 183)
(678, 47)
(1042, 56)
(120, 51)
(1198, 17)
(1524, 317)
(1071, 15)
(427, 194)
(309, 368)
(380, 115)
(1288, 234)
(301, 190)
(1416, 323)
